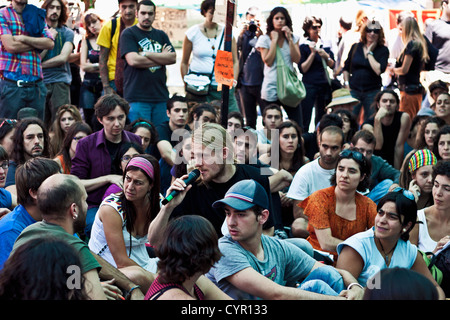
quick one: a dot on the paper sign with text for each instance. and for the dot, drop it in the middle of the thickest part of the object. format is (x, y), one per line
(223, 68)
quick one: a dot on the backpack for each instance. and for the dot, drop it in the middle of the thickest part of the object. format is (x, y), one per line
(431, 264)
(442, 261)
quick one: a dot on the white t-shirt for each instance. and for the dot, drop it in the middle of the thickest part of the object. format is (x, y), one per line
(269, 85)
(202, 52)
(426, 244)
(308, 179)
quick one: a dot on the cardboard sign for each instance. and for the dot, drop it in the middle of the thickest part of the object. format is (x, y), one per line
(223, 68)
(220, 12)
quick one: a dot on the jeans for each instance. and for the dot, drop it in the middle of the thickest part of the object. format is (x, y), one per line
(250, 99)
(58, 94)
(324, 280)
(90, 217)
(13, 98)
(366, 99)
(154, 112)
(380, 190)
(316, 96)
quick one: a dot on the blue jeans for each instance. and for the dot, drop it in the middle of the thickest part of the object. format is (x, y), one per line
(153, 112)
(366, 99)
(380, 190)
(316, 96)
(324, 280)
(90, 217)
(13, 98)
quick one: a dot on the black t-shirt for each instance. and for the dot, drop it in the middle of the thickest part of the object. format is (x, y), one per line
(144, 84)
(413, 75)
(200, 198)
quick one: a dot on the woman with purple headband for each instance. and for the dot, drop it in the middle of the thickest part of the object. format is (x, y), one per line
(119, 233)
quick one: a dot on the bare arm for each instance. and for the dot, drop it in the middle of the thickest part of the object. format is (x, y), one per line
(187, 50)
(404, 68)
(403, 133)
(85, 64)
(103, 68)
(61, 58)
(166, 151)
(326, 240)
(254, 283)
(159, 224)
(269, 55)
(22, 43)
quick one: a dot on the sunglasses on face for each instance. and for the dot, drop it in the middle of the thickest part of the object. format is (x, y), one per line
(376, 31)
(316, 27)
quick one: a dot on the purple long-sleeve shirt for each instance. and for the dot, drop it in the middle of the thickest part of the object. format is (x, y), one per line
(92, 160)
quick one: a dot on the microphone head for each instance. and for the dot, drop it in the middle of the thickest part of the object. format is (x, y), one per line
(195, 173)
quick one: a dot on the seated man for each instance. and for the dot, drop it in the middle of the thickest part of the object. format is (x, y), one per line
(257, 266)
(29, 177)
(95, 154)
(383, 174)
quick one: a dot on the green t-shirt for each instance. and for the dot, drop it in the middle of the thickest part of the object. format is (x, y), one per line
(45, 229)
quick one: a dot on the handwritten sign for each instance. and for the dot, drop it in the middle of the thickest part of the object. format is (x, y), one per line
(223, 68)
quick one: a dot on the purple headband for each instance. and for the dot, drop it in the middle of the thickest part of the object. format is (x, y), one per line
(143, 164)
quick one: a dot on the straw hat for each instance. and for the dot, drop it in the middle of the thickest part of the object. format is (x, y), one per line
(341, 96)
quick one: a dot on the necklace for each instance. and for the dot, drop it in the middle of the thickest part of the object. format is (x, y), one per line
(386, 255)
(213, 47)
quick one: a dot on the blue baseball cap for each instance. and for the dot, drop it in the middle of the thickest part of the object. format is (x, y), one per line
(244, 195)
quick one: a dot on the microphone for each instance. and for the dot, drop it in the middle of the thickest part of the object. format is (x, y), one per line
(189, 180)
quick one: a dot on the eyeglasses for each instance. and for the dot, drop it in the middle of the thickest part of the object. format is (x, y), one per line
(316, 27)
(11, 122)
(4, 165)
(126, 158)
(376, 31)
(356, 155)
(78, 138)
(408, 194)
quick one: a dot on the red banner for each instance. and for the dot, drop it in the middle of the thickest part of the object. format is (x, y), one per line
(420, 15)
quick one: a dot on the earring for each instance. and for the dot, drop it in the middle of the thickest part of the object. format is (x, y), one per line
(404, 229)
(75, 216)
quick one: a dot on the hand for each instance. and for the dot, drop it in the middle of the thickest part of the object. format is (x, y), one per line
(167, 48)
(381, 113)
(4, 212)
(274, 35)
(415, 189)
(108, 90)
(111, 291)
(116, 179)
(287, 32)
(178, 185)
(441, 243)
(355, 293)
(53, 32)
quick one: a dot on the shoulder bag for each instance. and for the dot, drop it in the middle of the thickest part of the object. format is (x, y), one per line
(290, 89)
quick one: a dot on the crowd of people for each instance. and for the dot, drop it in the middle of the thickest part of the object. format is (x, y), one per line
(92, 144)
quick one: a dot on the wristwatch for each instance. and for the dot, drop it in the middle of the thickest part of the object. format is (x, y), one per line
(370, 52)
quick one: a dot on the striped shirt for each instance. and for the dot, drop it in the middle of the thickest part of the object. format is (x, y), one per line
(23, 64)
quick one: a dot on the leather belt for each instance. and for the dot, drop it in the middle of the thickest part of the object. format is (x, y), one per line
(23, 83)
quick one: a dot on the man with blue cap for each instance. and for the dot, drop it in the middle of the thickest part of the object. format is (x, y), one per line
(255, 266)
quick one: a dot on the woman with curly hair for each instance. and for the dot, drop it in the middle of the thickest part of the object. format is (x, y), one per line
(189, 250)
